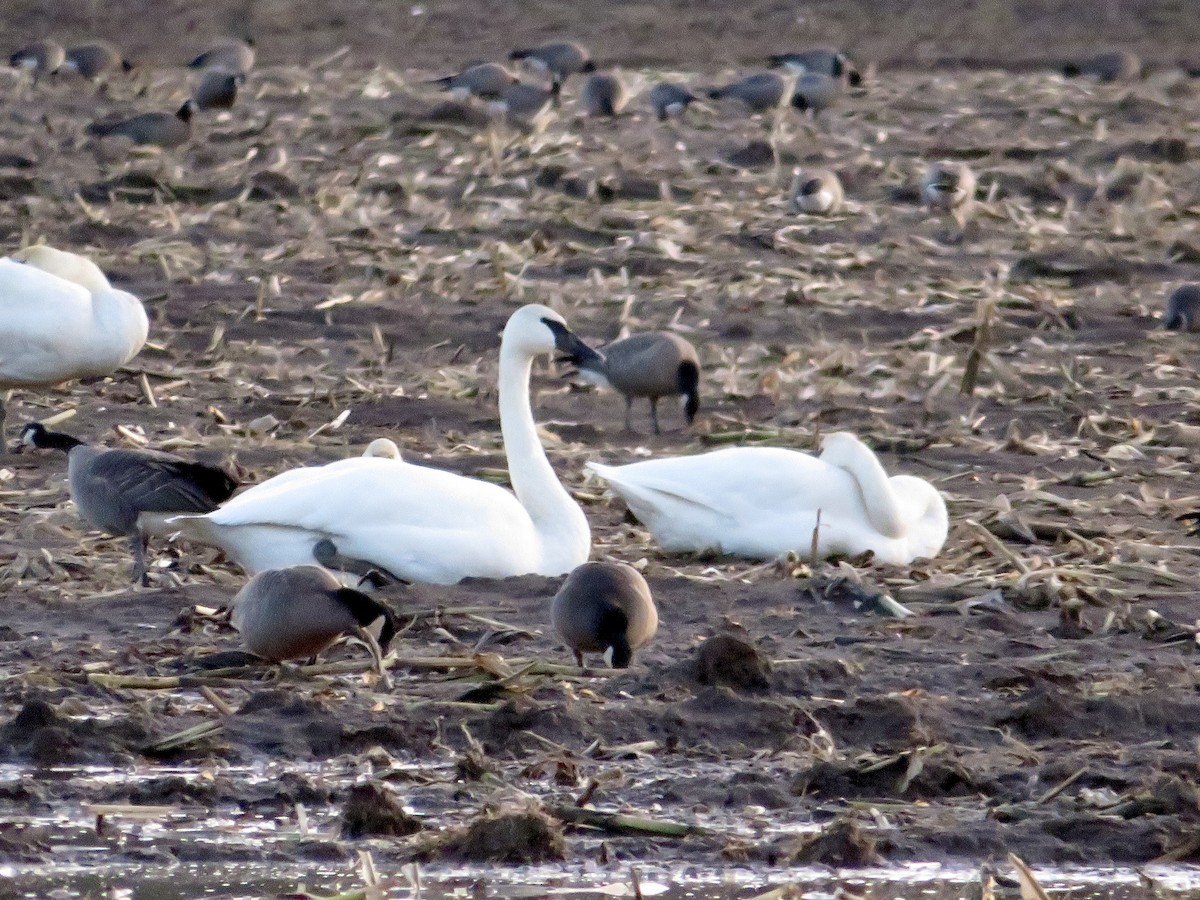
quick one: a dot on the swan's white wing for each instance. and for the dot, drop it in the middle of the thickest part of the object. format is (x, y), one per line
(44, 324)
(417, 522)
(733, 481)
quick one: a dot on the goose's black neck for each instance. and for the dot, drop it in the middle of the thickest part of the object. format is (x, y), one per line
(38, 436)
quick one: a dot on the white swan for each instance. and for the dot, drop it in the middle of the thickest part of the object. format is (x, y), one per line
(422, 524)
(60, 319)
(763, 501)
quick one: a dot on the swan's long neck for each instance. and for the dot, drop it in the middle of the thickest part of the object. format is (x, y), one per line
(884, 508)
(558, 519)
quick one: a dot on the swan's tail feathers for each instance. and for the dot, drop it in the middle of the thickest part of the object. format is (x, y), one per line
(196, 528)
(688, 378)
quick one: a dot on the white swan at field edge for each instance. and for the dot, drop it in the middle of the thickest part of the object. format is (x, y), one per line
(60, 320)
(418, 523)
(763, 501)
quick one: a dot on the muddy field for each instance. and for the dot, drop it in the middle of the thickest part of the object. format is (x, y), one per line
(329, 248)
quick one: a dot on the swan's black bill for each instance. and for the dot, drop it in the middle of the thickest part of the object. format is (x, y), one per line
(572, 348)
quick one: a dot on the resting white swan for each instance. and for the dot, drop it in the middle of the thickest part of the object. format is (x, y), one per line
(60, 319)
(763, 501)
(422, 524)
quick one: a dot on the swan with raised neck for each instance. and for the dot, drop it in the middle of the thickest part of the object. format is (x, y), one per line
(415, 522)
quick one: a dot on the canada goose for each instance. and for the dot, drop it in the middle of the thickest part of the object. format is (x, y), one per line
(669, 100)
(525, 105)
(761, 502)
(814, 92)
(949, 186)
(560, 59)
(652, 365)
(1120, 65)
(823, 60)
(131, 492)
(761, 92)
(418, 523)
(817, 191)
(60, 320)
(218, 89)
(603, 606)
(40, 58)
(603, 94)
(486, 80)
(1182, 308)
(298, 612)
(228, 55)
(95, 59)
(152, 129)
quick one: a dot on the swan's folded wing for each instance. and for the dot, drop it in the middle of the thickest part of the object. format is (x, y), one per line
(652, 489)
(733, 482)
(360, 492)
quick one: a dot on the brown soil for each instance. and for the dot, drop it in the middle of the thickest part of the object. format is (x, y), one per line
(1043, 698)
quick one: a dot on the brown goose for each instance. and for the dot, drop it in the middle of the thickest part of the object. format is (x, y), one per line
(218, 89)
(949, 186)
(1183, 308)
(652, 365)
(670, 99)
(95, 59)
(823, 60)
(132, 492)
(298, 612)
(40, 58)
(1119, 65)
(560, 59)
(603, 95)
(156, 129)
(761, 92)
(228, 55)
(602, 607)
(486, 80)
(817, 191)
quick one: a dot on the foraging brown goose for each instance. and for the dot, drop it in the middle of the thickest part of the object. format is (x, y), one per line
(524, 105)
(603, 95)
(652, 365)
(95, 59)
(1183, 307)
(298, 612)
(560, 59)
(157, 129)
(814, 92)
(817, 191)
(1120, 65)
(132, 492)
(760, 92)
(949, 186)
(669, 99)
(228, 55)
(40, 58)
(823, 60)
(486, 80)
(218, 89)
(603, 606)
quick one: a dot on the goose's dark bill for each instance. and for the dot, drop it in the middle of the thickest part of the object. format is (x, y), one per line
(571, 346)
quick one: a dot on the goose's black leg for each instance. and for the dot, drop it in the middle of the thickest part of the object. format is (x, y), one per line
(654, 414)
(139, 542)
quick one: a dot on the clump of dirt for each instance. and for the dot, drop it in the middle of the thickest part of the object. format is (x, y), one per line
(372, 810)
(842, 844)
(728, 660)
(515, 837)
(38, 734)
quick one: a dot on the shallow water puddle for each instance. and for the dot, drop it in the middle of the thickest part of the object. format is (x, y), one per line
(246, 880)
